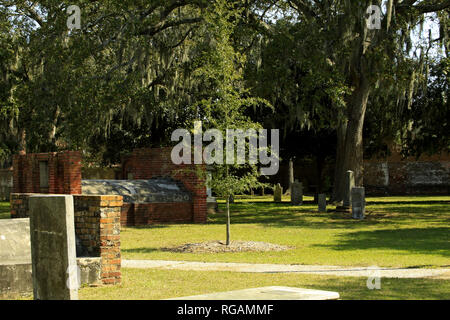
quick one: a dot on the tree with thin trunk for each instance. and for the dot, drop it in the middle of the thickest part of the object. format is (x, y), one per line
(219, 73)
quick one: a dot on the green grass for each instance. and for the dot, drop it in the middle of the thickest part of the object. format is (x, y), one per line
(4, 210)
(398, 232)
(155, 284)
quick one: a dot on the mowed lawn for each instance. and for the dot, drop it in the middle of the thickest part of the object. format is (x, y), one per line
(398, 232)
(154, 284)
(401, 231)
(4, 210)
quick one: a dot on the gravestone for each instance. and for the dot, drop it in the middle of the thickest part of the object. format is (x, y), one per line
(349, 184)
(322, 202)
(53, 253)
(358, 203)
(297, 193)
(277, 193)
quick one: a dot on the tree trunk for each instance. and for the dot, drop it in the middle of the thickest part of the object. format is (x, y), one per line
(228, 221)
(22, 141)
(320, 161)
(350, 151)
(340, 150)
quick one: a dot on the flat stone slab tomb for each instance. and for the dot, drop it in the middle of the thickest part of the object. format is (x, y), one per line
(267, 293)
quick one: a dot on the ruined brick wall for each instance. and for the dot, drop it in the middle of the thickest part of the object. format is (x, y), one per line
(64, 173)
(97, 225)
(19, 205)
(6, 183)
(156, 162)
(397, 176)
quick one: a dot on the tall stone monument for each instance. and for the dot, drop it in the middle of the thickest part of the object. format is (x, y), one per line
(322, 202)
(358, 203)
(277, 193)
(53, 253)
(349, 184)
(296, 193)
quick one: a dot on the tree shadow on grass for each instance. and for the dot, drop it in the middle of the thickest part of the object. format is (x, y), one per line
(147, 227)
(140, 250)
(285, 215)
(431, 240)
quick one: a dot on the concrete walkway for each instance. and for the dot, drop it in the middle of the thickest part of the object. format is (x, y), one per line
(289, 268)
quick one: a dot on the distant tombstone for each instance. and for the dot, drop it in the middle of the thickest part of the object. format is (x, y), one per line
(208, 188)
(278, 191)
(53, 247)
(358, 203)
(349, 184)
(322, 199)
(297, 193)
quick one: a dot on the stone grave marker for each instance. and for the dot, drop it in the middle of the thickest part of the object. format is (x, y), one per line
(277, 193)
(349, 184)
(322, 202)
(53, 253)
(297, 193)
(358, 203)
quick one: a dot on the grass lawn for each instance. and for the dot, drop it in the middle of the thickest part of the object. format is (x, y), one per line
(4, 210)
(398, 232)
(163, 284)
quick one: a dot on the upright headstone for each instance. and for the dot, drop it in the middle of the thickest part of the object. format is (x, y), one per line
(358, 203)
(277, 193)
(291, 174)
(53, 252)
(349, 184)
(296, 193)
(322, 199)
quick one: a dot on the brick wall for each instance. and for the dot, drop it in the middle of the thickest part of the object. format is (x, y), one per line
(154, 213)
(395, 175)
(97, 225)
(64, 173)
(19, 205)
(156, 162)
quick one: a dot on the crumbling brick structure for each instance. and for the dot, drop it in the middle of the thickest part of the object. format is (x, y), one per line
(47, 173)
(60, 173)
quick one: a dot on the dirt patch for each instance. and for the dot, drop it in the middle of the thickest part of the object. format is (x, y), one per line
(220, 246)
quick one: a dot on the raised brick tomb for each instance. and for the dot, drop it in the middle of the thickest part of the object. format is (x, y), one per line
(144, 164)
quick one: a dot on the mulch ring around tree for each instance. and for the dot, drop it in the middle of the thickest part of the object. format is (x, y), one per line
(220, 246)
